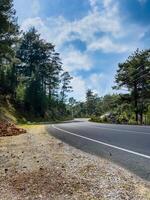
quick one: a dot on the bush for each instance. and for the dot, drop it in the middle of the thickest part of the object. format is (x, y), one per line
(132, 122)
(105, 119)
(95, 119)
(123, 118)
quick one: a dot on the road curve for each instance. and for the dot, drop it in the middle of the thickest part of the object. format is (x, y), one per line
(127, 145)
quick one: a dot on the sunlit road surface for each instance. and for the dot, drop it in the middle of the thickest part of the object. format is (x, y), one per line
(127, 145)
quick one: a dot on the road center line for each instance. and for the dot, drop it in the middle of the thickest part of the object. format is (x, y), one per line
(103, 143)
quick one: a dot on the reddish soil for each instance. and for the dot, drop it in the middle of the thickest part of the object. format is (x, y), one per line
(9, 129)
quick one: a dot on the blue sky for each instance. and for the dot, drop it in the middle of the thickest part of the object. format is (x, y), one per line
(92, 36)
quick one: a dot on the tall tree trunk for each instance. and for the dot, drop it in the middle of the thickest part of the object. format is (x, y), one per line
(141, 112)
(136, 117)
(136, 103)
(141, 118)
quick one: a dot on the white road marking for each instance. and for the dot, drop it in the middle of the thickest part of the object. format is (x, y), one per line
(113, 129)
(103, 143)
(121, 125)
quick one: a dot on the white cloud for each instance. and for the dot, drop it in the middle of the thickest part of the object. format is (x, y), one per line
(99, 29)
(107, 3)
(29, 22)
(108, 45)
(79, 88)
(93, 4)
(85, 29)
(101, 83)
(35, 6)
(81, 85)
(74, 60)
(106, 20)
(103, 28)
(95, 79)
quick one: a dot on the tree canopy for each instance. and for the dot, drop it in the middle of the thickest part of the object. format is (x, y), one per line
(31, 71)
(134, 75)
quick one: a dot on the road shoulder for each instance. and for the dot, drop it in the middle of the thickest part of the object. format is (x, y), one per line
(35, 165)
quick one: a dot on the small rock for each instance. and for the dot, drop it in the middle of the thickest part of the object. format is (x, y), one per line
(60, 143)
(12, 155)
(6, 170)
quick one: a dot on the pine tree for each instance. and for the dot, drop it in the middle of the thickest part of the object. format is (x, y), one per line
(39, 69)
(66, 79)
(134, 74)
(90, 102)
(8, 38)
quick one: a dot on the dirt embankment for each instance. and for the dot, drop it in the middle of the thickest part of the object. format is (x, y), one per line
(35, 165)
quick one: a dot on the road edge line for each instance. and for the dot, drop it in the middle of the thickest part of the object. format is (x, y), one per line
(103, 143)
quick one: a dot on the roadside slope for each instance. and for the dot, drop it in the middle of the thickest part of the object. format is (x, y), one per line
(38, 166)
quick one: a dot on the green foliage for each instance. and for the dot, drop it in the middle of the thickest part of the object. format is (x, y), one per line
(30, 70)
(80, 110)
(65, 78)
(113, 108)
(90, 102)
(71, 106)
(8, 30)
(31, 76)
(8, 39)
(104, 119)
(131, 107)
(134, 74)
(40, 71)
(123, 118)
(20, 93)
(35, 99)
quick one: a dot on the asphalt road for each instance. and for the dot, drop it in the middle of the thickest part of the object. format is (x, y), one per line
(128, 146)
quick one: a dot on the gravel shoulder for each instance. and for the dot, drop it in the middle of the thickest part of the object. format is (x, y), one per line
(36, 165)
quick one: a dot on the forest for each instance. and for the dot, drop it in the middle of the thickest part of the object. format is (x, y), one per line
(32, 79)
(130, 107)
